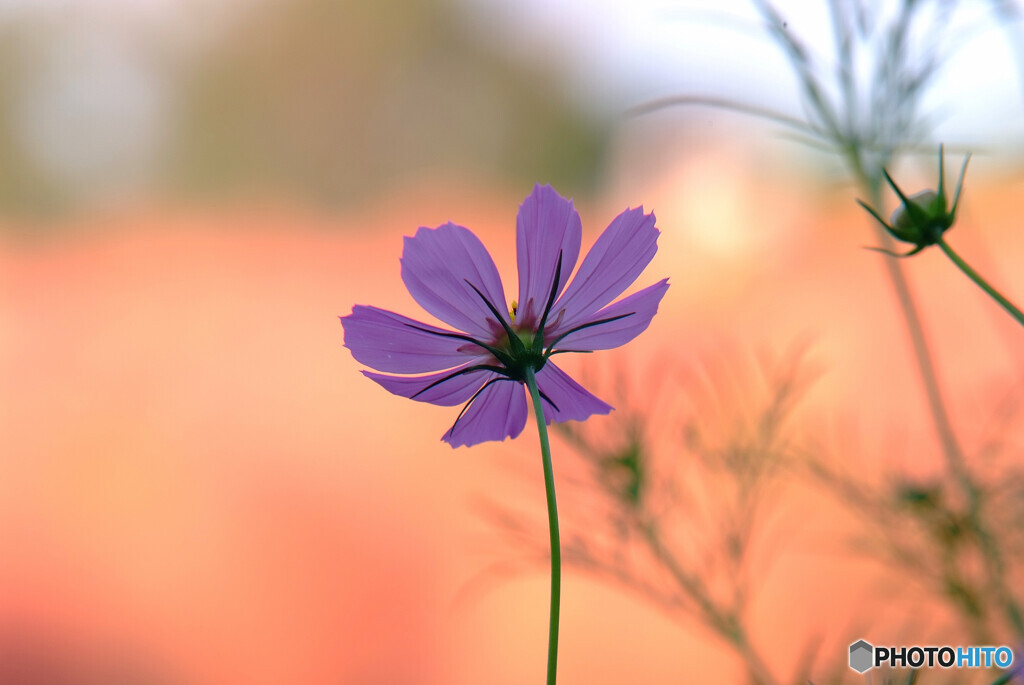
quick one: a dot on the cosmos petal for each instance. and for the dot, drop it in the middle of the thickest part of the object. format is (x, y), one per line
(617, 259)
(438, 266)
(394, 343)
(456, 390)
(640, 307)
(573, 401)
(497, 413)
(547, 225)
(449, 272)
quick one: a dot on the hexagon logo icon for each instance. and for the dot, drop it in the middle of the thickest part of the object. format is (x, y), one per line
(861, 653)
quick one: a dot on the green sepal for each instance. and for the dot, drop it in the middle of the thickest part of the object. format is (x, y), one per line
(922, 218)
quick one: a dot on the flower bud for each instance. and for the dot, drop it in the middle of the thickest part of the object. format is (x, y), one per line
(923, 217)
(901, 218)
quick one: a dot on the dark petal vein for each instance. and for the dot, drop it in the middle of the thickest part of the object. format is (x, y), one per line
(451, 431)
(580, 328)
(461, 372)
(547, 399)
(551, 301)
(501, 355)
(512, 337)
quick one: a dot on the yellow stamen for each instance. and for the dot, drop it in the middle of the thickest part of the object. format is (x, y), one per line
(513, 310)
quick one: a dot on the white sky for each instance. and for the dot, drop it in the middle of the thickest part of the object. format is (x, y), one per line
(613, 54)
(628, 51)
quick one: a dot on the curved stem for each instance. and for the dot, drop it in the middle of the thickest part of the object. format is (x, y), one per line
(955, 461)
(723, 621)
(981, 282)
(926, 369)
(995, 566)
(916, 332)
(556, 551)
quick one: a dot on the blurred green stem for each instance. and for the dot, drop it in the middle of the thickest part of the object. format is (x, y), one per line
(1005, 678)
(872, 183)
(724, 622)
(994, 565)
(981, 282)
(556, 551)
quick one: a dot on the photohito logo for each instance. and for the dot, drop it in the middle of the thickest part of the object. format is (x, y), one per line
(864, 656)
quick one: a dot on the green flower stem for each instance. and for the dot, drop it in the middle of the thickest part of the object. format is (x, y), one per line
(556, 550)
(872, 183)
(940, 416)
(981, 282)
(724, 622)
(1005, 678)
(987, 543)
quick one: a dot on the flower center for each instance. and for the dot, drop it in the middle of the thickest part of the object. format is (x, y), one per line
(521, 350)
(526, 337)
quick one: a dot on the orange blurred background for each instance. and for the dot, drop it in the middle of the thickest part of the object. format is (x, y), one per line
(198, 486)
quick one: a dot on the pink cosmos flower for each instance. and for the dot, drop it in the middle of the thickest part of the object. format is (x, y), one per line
(482, 363)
